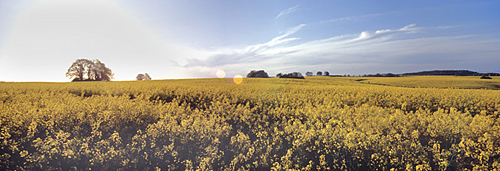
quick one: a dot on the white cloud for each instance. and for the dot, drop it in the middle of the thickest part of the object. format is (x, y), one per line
(446, 27)
(277, 40)
(342, 19)
(248, 54)
(50, 35)
(386, 50)
(353, 18)
(287, 11)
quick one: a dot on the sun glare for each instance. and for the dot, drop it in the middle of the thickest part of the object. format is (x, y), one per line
(221, 74)
(238, 79)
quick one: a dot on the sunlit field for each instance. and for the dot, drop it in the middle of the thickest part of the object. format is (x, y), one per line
(457, 82)
(317, 123)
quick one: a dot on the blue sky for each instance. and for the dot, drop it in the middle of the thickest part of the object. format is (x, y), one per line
(39, 39)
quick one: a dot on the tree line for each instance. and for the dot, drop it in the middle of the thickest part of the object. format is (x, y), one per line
(319, 73)
(263, 74)
(95, 70)
(451, 72)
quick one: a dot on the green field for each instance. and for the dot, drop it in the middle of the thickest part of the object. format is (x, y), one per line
(317, 123)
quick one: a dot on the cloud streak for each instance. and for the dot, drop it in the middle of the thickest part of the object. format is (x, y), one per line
(353, 18)
(390, 50)
(265, 51)
(249, 54)
(287, 11)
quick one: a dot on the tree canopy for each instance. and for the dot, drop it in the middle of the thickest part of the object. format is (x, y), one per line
(144, 77)
(257, 74)
(89, 70)
(297, 75)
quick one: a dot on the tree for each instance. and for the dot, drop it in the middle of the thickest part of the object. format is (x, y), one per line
(140, 77)
(485, 77)
(279, 74)
(309, 73)
(147, 77)
(78, 69)
(144, 77)
(327, 73)
(94, 69)
(297, 75)
(257, 74)
(101, 72)
(319, 73)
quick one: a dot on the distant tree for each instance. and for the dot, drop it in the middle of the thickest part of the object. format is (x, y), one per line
(297, 74)
(292, 75)
(319, 73)
(101, 72)
(94, 69)
(485, 77)
(257, 74)
(78, 69)
(279, 74)
(147, 77)
(140, 77)
(390, 75)
(445, 72)
(309, 73)
(144, 77)
(327, 73)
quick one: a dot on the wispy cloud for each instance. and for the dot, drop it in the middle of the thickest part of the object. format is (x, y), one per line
(353, 18)
(447, 27)
(389, 50)
(287, 11)
(248, 54)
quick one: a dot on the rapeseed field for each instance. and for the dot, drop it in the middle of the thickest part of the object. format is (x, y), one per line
(318, 123)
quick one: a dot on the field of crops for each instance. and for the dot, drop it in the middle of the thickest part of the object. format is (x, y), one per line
(464, 82)
(319, 123)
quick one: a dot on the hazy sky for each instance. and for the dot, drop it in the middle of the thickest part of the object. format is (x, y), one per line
(39, 39)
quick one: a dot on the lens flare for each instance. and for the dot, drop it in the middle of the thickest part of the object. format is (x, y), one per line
(238, 79)
(221, 74)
